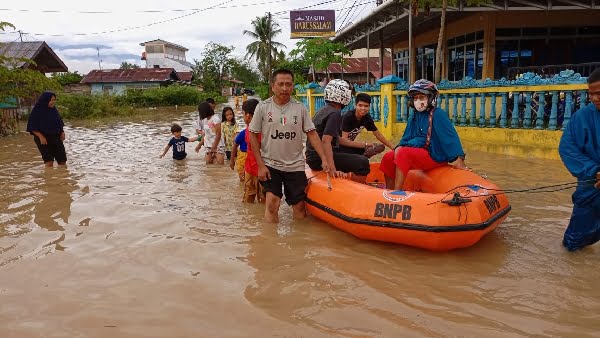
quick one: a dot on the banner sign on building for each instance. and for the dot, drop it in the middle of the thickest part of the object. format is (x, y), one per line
(310, 24)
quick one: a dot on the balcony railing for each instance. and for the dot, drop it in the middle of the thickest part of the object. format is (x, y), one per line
(529, 102)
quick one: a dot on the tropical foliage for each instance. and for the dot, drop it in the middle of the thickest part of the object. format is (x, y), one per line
(215, 64)
(264, 30)
(93, 106)
(67, 78)
(19, 82)
(319, 53)
(127, 65)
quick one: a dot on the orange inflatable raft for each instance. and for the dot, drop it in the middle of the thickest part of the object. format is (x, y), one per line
(442, 209)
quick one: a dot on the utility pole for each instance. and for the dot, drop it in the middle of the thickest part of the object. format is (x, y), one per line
(269, 59)
(20, 35)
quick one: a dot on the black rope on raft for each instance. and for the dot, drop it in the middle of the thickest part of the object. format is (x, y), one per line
(559, 187)
(536, 190)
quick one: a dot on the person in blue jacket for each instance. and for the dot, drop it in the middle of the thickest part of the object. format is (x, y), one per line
(579, 150)
(429, 140)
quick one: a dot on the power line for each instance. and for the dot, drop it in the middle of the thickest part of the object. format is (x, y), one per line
(305, 7)
(348, 13)
(136, 27)
(355, 16)
(141, 11)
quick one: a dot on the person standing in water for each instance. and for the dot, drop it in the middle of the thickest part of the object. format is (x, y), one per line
(579, 150)
(281, 121)
(46, 126)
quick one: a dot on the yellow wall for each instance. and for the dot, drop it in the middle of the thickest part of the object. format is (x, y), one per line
(514, 142)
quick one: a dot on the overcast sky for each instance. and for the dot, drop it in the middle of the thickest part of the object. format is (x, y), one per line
(74, 30)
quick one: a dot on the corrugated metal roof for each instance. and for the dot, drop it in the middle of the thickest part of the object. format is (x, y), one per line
(185, 76)
(359, 65)
(37, 51)
(131, 75)
(166, 43)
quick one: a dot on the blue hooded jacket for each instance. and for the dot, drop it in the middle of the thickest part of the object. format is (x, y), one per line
(579, 150)
(445, 145)
(44, 119)
(579, 146)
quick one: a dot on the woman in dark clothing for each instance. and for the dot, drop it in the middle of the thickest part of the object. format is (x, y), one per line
(46, 126)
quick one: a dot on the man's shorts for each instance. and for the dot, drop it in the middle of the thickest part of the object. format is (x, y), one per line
(54, 150)
(294, 184)
(220, 150)
(240, 161)
(253, 189)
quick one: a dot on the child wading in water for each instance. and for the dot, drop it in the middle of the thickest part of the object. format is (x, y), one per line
(178, 143)
(211, 125)
(253, 190)
(228, 129)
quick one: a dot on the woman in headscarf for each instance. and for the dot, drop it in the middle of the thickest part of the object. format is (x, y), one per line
(46, 125)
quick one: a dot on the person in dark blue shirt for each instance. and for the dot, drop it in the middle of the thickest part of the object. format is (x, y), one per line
(429, 140)
(579, 150)
(178, 143)
(46, 125)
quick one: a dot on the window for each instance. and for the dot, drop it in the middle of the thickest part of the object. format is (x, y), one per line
(401, 59)
(465, 56)
(154, 49)
(426, 62)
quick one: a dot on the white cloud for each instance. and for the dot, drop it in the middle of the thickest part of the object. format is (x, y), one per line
(69, 27)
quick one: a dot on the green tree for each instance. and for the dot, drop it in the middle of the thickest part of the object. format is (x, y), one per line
(242, 70)
(18, 82)
(263, 31)
(67, 78)
(127, 65)
(214, 65)
(320, 53)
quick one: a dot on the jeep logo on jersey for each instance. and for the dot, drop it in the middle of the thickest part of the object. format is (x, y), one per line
(288, 135)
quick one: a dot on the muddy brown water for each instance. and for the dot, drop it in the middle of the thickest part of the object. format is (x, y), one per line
(124, 244)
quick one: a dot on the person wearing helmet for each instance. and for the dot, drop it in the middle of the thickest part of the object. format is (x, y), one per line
(429, 141)
(328, 123)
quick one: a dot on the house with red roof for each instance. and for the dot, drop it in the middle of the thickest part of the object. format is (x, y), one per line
(118, 81)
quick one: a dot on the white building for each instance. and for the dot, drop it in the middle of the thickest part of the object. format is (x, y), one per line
(163, 54)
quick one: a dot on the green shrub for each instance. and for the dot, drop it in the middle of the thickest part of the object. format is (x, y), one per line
(76, 106)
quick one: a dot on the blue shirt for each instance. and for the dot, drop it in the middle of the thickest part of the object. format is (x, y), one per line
(579, 146)
(241, 140)
(178, 145)
(444, 145)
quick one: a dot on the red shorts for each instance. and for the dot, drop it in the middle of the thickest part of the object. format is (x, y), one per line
(405, 159)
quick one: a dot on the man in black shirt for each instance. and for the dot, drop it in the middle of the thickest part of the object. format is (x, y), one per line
(354, 121)
(328, 123)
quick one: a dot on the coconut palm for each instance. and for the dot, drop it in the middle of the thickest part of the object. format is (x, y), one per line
(263, 29)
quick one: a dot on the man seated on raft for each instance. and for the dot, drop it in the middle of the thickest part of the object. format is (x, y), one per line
(429, 141)
(354, 121)
(328, 123)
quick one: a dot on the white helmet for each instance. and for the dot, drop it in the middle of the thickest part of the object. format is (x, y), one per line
(338, 91)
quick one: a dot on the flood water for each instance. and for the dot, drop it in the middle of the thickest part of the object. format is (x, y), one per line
(124, 244)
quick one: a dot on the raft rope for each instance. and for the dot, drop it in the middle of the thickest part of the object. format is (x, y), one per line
(458, 199)
(557, 187)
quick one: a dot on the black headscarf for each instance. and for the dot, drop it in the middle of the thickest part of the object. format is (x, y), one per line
(43, 118)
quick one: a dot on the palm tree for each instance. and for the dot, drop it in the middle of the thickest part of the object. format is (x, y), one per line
(264, 29)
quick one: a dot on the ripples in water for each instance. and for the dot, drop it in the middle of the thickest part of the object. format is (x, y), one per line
(123, 243)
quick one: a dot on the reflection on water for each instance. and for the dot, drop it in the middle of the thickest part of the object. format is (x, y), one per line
(124, 244)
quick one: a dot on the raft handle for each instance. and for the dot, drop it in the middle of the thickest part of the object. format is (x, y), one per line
(457, 200)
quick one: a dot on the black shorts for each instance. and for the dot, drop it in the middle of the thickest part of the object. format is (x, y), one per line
(54, 150)
(344, 162)
(294, 185)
